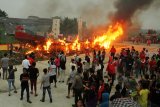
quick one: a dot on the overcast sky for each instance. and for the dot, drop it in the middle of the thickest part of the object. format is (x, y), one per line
(93, 11)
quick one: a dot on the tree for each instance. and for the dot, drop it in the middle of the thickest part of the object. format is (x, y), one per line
(3, 13)
(69, 26)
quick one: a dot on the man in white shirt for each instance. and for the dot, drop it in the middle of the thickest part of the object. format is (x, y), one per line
(53, 73)
(97, 67)
(26, 63)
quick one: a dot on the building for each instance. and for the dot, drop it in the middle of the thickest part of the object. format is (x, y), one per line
(56, 27)
(32, 25)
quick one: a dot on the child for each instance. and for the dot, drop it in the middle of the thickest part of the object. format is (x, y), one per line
(11, 79)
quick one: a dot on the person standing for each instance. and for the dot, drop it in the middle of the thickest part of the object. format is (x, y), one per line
(57, 62)
(62, 66)
(79, 64)
(111, 68)
(113, 51)
(78, 86)
(137, 66)
(31, 58)
(24, 78)
(45, 83)
(143, 95)
(52, 72)
(4, 64)
(33, 75)
(11, 49)
(11, 79)
(103, 55)
(70, 80)
(72, 63)
(25, 63)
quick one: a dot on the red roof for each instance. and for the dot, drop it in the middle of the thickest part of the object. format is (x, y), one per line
(27, 36)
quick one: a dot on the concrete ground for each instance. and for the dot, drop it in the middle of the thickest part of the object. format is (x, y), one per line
(58, 94)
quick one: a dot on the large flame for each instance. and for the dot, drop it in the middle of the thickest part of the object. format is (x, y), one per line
(76, 45)
(48, 44)
(112, 33)
(63, 42)
(87, 44)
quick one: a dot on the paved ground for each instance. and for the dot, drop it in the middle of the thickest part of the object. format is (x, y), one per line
(59, 93)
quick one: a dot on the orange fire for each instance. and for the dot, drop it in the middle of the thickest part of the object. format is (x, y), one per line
(63, 42)
(112, 33)
(48, 44)
(87, 43)
(29, 52)
(76, 45)
(37, 48)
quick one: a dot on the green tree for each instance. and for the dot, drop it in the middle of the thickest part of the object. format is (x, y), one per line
(69, 26)
(3, 13)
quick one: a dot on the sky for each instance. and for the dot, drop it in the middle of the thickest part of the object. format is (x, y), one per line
(93, 11)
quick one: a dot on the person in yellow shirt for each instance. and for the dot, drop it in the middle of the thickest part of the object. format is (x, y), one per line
(143, 94)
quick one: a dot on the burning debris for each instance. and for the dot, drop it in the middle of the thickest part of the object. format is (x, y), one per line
(76, 45)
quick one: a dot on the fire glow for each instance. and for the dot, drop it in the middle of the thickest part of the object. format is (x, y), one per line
(111, 34)
(103, 41)
(48, 44)
(76, 45)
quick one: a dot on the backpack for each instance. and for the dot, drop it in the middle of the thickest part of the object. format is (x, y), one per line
(63, 59)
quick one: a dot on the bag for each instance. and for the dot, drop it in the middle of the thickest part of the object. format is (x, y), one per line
(63, 59)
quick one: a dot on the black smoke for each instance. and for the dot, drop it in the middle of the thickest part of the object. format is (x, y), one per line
(125, 9)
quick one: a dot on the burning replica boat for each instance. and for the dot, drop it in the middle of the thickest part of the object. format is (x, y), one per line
(102, 41)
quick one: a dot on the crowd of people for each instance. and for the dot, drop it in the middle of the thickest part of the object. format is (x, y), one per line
(137, 74)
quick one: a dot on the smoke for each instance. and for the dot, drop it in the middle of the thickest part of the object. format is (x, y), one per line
(126, 9)
(94, 12)
(41, 8)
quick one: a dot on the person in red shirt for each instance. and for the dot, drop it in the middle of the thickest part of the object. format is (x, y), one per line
(111, 69)
(148, 42)
(31, 59)
(57, 62)
(152, 65)
(100, 90)
(142, 55)
(113, 51)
